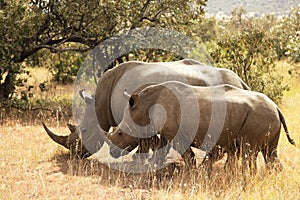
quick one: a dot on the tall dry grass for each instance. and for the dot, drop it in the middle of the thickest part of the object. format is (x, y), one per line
(34, 167)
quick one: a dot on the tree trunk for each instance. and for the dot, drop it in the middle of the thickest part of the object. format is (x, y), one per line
(7, 87)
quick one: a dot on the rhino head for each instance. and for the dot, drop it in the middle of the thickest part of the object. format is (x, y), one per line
(71, 141)
(85, 138)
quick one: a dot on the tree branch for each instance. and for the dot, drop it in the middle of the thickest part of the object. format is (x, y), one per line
(58, 50)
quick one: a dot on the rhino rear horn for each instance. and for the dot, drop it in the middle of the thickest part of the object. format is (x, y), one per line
(72, 128)
(62, 140)
(86, 96)
(126, 95)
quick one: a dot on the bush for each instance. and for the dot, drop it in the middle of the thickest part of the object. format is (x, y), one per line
(250, 54)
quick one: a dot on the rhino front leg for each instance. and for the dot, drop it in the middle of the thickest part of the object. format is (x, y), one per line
(189, 158)
(161, 148)
(145, 144)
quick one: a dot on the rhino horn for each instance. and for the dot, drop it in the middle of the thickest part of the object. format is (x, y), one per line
(72, 128)
(86, 96)
(62, 140)
(126, 95)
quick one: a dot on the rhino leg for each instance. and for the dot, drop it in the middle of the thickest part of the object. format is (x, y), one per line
(160, 147)
(154, 143)
(189, 158)
(142, 152)
(271, 159)
(207, 165)
(216, 154)
(249, 162)
(270, 154)
(232, 161)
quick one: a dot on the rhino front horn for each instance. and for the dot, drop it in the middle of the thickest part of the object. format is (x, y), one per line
(62, 140)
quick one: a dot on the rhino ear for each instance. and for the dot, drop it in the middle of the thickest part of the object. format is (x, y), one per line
(133, 100)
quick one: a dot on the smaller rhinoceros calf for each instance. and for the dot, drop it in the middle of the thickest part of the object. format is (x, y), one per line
(225, 116)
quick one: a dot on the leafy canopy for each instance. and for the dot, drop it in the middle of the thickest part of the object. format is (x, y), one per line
(29, 26)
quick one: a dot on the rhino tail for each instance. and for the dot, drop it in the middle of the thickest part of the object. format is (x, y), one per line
(62, 140)
(282, 120)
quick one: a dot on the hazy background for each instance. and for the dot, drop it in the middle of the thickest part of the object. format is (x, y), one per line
(253, 7)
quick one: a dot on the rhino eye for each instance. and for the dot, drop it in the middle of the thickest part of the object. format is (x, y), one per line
(131, 102)
(120, 133)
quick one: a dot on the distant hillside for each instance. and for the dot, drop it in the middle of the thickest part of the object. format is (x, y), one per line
(253, 7)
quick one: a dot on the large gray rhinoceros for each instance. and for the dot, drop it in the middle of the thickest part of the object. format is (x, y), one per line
(86, 138)
(129, 76)
(252, 121)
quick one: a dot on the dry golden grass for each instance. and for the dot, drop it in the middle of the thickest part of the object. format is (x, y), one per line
(34, 167)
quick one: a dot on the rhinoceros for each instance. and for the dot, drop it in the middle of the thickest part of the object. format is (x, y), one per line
(110, 103)
(86, 138)
(251, 120)
(131, 75)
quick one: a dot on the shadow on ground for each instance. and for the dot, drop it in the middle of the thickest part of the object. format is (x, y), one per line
(108, 176)
(173, 176)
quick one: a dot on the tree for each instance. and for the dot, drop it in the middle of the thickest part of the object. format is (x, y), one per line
(293, 46)
(284, 31)
(32, 25)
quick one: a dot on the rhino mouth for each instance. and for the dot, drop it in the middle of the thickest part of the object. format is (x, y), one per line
(78, 150)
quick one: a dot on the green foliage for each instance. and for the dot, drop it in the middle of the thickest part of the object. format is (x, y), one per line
(293, 48)
(250, 54)
(284, 31)
(65, 69)
(48, 33)
(61, 26)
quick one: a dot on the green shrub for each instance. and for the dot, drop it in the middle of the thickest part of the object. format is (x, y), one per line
(251, 55)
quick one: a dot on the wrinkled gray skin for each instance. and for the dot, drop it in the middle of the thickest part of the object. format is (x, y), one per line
(252, 121)
(86, 138)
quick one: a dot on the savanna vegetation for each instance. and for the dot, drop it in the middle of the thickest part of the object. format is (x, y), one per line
(44, 43)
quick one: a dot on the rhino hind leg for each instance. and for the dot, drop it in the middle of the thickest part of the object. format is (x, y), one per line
(189, 158)
(271, 159)
(270, 154)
